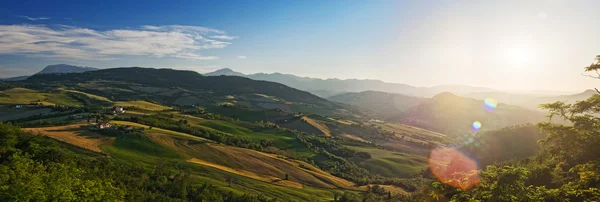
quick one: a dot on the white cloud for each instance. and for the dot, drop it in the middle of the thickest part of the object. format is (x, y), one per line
(242, 57)
(224, 37)
(82, 43)
(32, 18)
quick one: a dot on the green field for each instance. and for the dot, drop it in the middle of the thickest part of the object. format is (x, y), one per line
(138, 148)
(142, 105)
(281, 139)
(415, 133)
(26, 96)
(390, 163)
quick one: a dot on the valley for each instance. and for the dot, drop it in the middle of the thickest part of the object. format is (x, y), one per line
(266, 139)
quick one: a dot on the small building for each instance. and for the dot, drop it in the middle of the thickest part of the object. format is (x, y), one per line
(128, 128)
(118, 110)
(103, 125)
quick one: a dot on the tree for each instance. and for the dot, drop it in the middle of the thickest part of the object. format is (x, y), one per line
(286, 177)
(596, 68)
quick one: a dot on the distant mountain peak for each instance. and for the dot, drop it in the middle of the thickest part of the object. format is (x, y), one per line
(64, 68)
(445, 95)
(225, 72)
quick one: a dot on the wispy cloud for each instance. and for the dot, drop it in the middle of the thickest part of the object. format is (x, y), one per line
(32, 18)
(224, 37)
(82, 43)
(242, 57)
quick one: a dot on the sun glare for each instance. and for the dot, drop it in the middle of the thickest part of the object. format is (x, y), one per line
(519, 56)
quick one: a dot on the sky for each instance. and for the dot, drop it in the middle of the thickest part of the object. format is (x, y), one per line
(506, 45)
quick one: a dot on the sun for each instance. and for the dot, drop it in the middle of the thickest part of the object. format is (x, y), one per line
(519, 56)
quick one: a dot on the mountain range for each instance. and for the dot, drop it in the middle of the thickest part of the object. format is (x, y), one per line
(330, 87)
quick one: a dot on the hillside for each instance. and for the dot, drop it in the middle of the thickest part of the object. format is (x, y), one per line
(452, 114)
(511, 143)
(386, 104)
(328, 87)
(187, 88)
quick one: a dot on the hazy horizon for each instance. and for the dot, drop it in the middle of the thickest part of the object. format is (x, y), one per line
(504, 45)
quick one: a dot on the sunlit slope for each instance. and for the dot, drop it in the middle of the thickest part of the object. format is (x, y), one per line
(452, 114)
(24, 96)
(75, 134)
(391, 164)
(141, 105)
(387, 105)
(253, 164)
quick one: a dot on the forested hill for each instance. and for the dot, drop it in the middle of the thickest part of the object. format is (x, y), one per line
(169, 78)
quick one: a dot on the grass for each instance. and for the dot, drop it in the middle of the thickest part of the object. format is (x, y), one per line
(390, 163)
(318, 125)
(158, 130)
(143, 105)
(281, 139)
(90, 96)
(136, 145)
(26, 96)
(61, 118)
(239, 113)
(415, 133)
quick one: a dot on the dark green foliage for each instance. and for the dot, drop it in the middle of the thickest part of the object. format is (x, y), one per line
(566, 169)
(5, 86)
(516, 142)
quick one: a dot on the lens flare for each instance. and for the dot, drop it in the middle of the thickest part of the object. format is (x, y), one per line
(490, 103)
(454, 168)
(476, 125)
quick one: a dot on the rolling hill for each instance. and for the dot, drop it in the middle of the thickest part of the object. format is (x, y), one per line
(386, 104)
(188, 88)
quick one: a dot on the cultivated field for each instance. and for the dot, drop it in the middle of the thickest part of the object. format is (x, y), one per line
(390, 163)
(76, 134)
(143, 105)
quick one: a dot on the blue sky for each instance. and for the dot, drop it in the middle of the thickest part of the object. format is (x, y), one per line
(524, 45)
